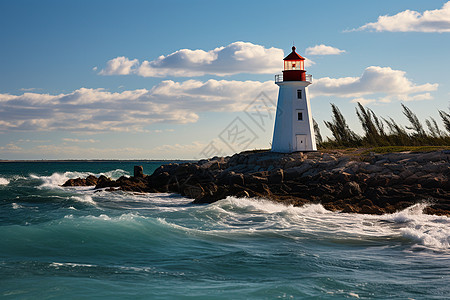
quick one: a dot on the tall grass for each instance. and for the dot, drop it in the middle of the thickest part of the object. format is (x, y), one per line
(381, 132)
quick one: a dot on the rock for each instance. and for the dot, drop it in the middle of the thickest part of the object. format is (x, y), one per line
(236, 179)
(366, 209)
(91, 180)
(296, 172)
(348, 209)
(351, 189)
(339, 181)
(276, 176)
(243, 194)
(103, 182)
(138, 171)
(75, 182)
(193, 191)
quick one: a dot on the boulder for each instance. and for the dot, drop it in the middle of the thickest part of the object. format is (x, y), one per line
(351, 189)
(138, 172)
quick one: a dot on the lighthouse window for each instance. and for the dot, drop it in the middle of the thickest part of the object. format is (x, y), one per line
(299, 94)
(300, 116)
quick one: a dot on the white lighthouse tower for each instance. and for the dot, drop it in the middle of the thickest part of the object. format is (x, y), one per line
(294, 129)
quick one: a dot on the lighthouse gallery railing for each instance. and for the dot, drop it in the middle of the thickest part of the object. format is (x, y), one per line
(279, 78)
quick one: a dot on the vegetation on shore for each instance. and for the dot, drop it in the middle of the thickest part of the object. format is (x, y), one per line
(385, 133)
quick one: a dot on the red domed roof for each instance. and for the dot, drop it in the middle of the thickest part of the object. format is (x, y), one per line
(293, 55)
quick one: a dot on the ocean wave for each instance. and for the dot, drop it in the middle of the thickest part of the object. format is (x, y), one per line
(123, 217)
(57, 265)
(4, 181)
(16, 206)
(56, 180)
(114, 174)
(86, 199)
(246, 216)
(426, 230)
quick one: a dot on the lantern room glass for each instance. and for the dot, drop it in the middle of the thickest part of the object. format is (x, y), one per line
(293, 65)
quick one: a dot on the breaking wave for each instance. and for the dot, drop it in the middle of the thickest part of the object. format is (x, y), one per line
(4, 181)
(57, 179)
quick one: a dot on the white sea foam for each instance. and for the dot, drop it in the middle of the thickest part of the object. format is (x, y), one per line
(57, 179)
(84, 199)
(427, 230)
(73, 265)
(121, 218)
(4, 181)
(249, 216)
(16, 206)
(161, 202)
(115, 174)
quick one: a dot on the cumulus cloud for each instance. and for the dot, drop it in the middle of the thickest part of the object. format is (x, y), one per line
(97, 110)
(119, 66)
(323, 50)
(392, 84)
(235, 58)
(437, 20)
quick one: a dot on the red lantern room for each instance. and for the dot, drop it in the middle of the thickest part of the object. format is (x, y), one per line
(294, 67)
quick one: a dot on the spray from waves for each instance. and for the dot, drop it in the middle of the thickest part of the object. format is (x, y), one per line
(426, 230)
(16, 206)
(55, 180)
(85, 199)
(246, 216)
(4, 181)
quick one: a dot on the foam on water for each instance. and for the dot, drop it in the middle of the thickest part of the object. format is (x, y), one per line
(16, 206)
(55, 180)
(72, 265)
(427, 230)
(249, 216)
(86, 199)
(4, 181)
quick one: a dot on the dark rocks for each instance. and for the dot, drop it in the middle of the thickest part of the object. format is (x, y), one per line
(373, 184)
(276, 176)
(351, 189)
(103, 182)
(138, 171)
(91, 180)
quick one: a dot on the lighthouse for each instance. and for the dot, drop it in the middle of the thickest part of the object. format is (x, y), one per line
(294, 130)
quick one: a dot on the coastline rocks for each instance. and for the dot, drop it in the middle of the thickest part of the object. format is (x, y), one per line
(138, 172)
(91, 180)
(372, 184)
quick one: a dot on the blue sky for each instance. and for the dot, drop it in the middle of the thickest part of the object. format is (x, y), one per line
(165, 79)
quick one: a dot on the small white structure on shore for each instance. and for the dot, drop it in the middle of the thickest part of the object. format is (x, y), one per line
(294, 130)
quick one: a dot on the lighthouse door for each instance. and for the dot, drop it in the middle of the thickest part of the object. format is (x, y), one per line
(301, 142)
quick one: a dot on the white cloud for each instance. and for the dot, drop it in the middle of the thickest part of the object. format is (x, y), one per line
(120, 66)
(363, 101)
(96, 110)
(392, 84)
(11, 148)
(437, 20)
(70, 140)
(28, 89)
(323, 50)
(235, 58)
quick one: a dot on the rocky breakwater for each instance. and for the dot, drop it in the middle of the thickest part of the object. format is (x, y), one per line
(373, 183)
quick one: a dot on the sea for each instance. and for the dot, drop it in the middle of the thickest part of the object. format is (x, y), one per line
(82, 243)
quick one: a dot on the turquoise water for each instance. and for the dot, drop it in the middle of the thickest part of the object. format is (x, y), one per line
(78, 243)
